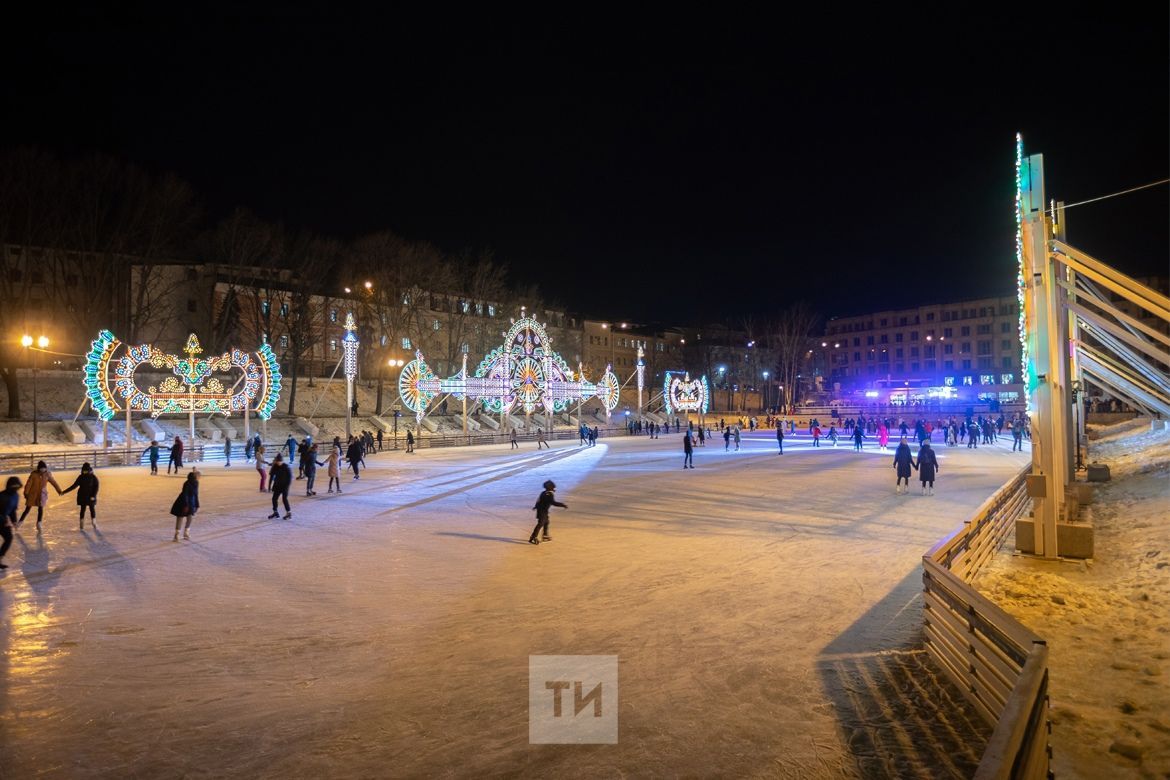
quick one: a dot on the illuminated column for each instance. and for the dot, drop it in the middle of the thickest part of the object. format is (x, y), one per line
(349, 346)
(463, 373)
(641, 378)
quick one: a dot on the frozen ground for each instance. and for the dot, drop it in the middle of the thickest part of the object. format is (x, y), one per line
(1106, 620)
(765, 610)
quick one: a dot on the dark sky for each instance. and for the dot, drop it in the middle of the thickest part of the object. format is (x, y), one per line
(661, 173)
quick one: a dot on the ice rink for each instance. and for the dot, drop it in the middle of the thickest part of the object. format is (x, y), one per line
(765, 611)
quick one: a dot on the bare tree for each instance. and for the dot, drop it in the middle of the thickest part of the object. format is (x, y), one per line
(790, 337)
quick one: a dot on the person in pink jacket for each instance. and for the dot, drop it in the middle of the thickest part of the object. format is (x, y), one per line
(883, 435)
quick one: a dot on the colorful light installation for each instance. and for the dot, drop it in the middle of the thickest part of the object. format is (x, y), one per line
(686, 394)
(193, 385)
(524, 373)
(349, 346)
(1021, 273)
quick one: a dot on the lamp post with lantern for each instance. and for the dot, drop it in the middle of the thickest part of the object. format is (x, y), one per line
(42, 344)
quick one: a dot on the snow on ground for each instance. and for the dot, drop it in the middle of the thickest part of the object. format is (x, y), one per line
(765, 609)
(1107, 621)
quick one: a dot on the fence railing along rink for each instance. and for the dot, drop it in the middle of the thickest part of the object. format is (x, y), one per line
(999, 664)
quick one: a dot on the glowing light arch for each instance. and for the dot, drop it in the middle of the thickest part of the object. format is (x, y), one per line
(195, 384)
(686, 394)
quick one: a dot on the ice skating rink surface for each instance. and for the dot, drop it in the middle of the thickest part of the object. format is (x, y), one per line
(765, 611)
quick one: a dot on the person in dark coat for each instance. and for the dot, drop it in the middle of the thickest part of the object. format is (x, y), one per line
(86, 486)
(780, 436)
(176, 459)
(354, 455)
(152, 451)
(546, 500)
(858, 435)
(9, 503)
(688, 451)
(291, 443)
(310, 464)
(409, 441)
(904, 463)
(186, 505)
(280, 480)
(927, 466)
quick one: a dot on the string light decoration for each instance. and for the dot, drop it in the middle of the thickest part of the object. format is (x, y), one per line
(523, 373)
(349, 346)
(1022, 172)
(192, 386)
(686, 394)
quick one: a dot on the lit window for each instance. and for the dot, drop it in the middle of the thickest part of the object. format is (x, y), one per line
(436, 325)
(284, 310)
(465, 349)
(986, 379)
(465, 306)
(265, 306)
(1006, 379)
(332, 345)
(406, 343)
(491, 310)
(968, 380)
(264, 339)
(384, 340)
(333, 315)
(284, 341)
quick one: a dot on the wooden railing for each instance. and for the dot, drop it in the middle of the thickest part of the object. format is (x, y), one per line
(999, 664)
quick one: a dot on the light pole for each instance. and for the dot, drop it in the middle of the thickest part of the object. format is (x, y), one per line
(393, 363)
(765, 404)
(349, 344)
(42, 343)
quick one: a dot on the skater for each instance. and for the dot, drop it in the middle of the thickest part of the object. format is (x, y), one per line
(227, 453)
(36, 492)
(334, 464)
(152, 452)
(303, 453)
(176, 459)
(249, 448)
(380, 439)
(86, 486)
(281, 480)
(780, 437)
(727, 438)
(688, 451)
(9, 503)
(904, 463)
(354, 455)
(261, 467)
(512, 438)
(816, 434)
(927, 466)
(311, 463)
(858, 435)
(540, 439)
(702, 438)
(833, 434)
(291, 443)
(735, 432)
(546, 500)
(883, 435)
(409, 442)
(1018, 436)
(186, 505)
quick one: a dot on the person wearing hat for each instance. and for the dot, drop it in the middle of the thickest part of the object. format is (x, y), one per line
(547, 499)
(86, 486)
(280, 480)
(36, 492)
(927, 467)
(9, 503)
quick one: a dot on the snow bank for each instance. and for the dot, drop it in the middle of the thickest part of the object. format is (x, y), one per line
(1106, 620)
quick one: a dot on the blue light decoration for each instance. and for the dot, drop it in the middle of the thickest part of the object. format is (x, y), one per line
(686, 394)
(349, 346)
(193, 385)
(523, 373)
(1023, 181)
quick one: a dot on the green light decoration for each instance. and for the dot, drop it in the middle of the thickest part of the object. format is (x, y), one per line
(192, 386)
(1023, 182)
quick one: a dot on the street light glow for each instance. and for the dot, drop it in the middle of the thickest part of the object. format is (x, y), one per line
(347, 290)
(26, 341)
(369, 285)
(43, 342)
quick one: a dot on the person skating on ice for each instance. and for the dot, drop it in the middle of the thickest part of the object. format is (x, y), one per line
(334, 465)
(858, 436)
(186, 505)
(927, 466)
(280, 479)
(688, 451)
(409, 442)
(152, 452)
(310, 464)
(904, 463)
(176, 459)
(9, 503)
(540, 440)
(546, 500)
(261, 466)
(353, 454)
(512, 438)
(86, 486)
(227, 453)
(36, 492)
(780, 437)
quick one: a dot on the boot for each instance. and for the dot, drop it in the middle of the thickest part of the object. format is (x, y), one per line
(186, 535)
(176, 536)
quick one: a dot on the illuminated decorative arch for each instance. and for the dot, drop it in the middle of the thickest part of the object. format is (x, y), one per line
(195, 384)
(523, 373)
(686, 394)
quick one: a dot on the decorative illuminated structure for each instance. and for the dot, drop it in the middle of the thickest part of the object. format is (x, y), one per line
(641, 376)
(193, 385)
(686, 394)
(522, 374)
(1026, 371)
(349, 347)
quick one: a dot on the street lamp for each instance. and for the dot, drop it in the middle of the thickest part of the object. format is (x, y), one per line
(42, 343)
(765, 404)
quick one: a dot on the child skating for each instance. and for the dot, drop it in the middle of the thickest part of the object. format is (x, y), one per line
(546, 500)
(186, 505)
(86, 486)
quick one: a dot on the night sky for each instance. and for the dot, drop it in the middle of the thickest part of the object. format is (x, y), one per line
(637, 171)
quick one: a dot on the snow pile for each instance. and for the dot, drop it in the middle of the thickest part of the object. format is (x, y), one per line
(1107, 621)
